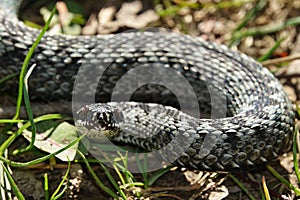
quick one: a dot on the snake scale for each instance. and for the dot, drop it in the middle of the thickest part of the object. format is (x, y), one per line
(253, 127)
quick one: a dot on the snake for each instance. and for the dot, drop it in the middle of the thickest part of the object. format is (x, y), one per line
(250, 118)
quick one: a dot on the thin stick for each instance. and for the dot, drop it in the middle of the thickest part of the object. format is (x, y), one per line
(280, 60)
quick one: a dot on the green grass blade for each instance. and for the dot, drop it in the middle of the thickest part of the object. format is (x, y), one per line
(54, 195)
(128, 175)
(170, 11)
(283, 180)
(250, 15)
(225, 4)
(271, 51)
(41, 159)
(112, 180)
(29, 111)
(26, 62)
(9, 121)
(117, 166)
(241, 186)
(46, 186)
(2, 80)
(8, 141)
(263, 30)
(98, 181)
(124, 159)
(263, 197)
(143, 169)
(297, 109)
(15, 188)
(157, 175)
(110, 177)
(295, 153)
(59, 195)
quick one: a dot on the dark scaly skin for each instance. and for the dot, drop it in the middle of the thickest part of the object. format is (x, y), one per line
(259, 117)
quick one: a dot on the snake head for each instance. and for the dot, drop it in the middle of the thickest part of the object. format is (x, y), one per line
(99, 121)
(108, 116)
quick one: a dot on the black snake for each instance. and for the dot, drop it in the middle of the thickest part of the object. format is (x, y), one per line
(252, 118)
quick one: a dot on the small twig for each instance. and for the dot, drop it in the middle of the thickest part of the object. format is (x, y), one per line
(46, 166)
(287, 76)
(280, 60)
(176, 188)
(166, 195)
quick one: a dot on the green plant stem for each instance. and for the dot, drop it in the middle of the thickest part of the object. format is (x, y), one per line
(42, 159)
(26, 62)
(99, 182)
(55, 194)
(46, 186)
(29, 111)
(250, 14)
(143, 169)
(110, 177)
(9, 121)
(295, 153)
(157, 175)
(283, 180)
(2, 80)
(15, 188)
(271, 51)
(242, 186)
(8, 141)
(264, 30)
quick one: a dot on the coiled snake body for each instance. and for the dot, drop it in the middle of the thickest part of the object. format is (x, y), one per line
(252, 118)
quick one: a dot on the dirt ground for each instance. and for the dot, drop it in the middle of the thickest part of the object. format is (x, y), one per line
(214, 21)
